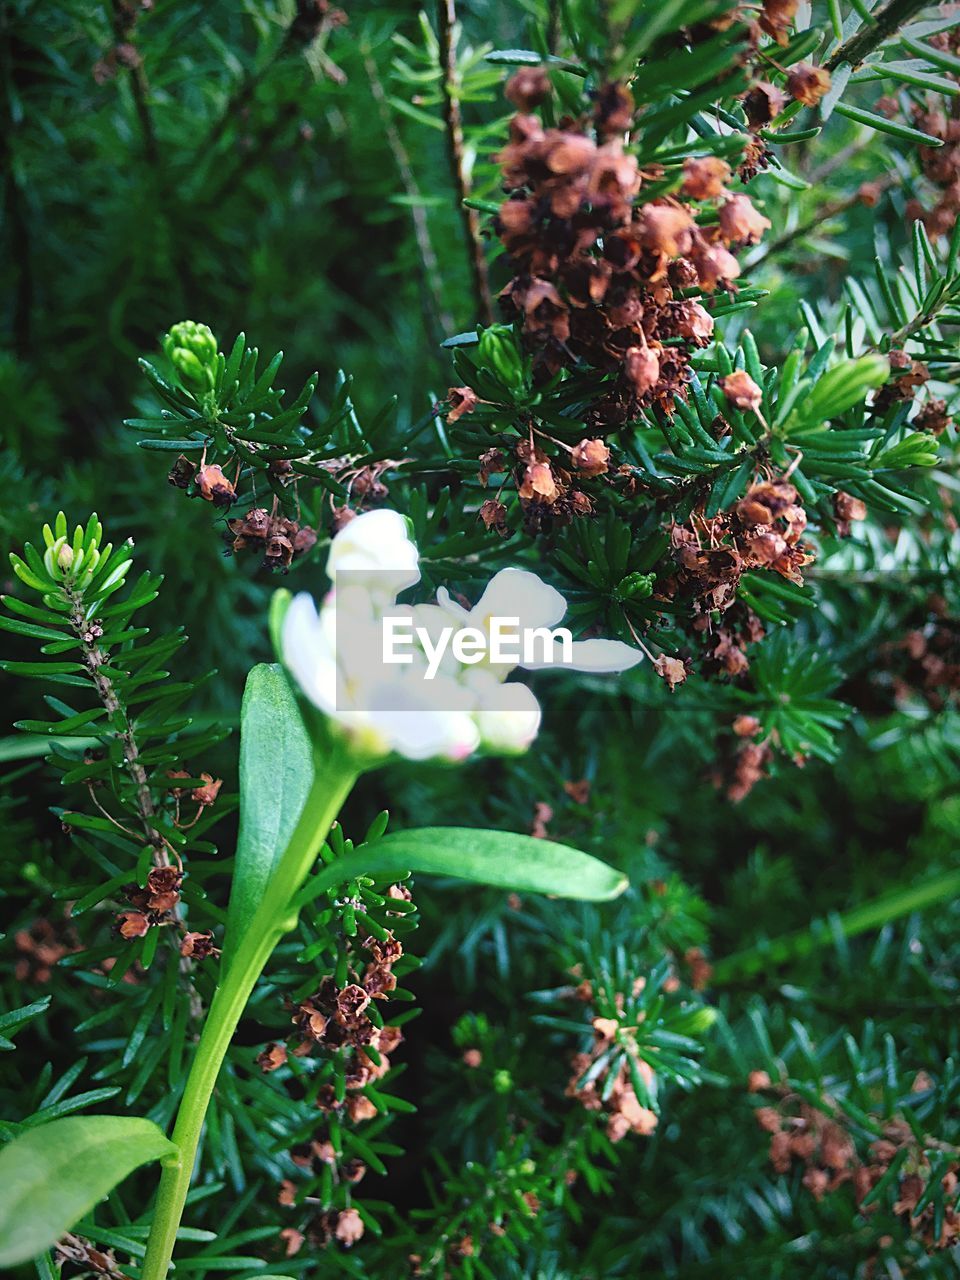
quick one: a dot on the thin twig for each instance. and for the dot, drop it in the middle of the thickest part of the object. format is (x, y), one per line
(885, 22)
(138, 79)
(439, 321)
(822, 215)
(454, 122)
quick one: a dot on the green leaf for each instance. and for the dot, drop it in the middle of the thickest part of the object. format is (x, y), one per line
(498, 858)
(54, 1174)
(276, 772)
(883, 125)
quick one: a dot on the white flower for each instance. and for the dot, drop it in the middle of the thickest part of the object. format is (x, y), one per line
(377, 545)
(520, 594)
(335, 654)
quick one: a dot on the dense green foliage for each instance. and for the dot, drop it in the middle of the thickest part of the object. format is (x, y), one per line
(754, 480)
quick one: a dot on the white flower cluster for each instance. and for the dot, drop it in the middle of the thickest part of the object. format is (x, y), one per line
(384, 710)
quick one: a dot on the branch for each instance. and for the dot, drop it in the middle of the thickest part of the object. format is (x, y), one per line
(454, 122)
(884, 23)
(438, 319)
(122, 24)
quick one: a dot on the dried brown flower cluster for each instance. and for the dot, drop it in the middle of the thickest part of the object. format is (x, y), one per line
(335, 1019)
(597, 275)
(40, 947)
(907, 376)
(621, 1105)
(550, 492)
(761, 531)
(820, 1143)
(279, 539)
(932, 661)
(154, 903)
(940, 165)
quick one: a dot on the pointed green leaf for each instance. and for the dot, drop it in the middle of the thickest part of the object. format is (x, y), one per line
(499, 858)
(276, 772)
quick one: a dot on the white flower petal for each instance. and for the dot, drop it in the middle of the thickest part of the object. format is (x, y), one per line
(594, 655)
(508, 715)
(518, 593)
(308, 654)
(376, 544)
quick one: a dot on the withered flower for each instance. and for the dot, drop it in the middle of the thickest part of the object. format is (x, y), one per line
(776, 18)
(214, 486)
(704, 177)
(740, 223)
(808, 84)
(208, 792)
(539, 483)
(461, 400)
(642, 367)
(494, 516)
(613, 113)
(527, 88)
(671, 670)
(198, 946)
(349, 1228)
(132, 924)
(591, 457)
(741, 390)
(763, 103)
(272, 1057)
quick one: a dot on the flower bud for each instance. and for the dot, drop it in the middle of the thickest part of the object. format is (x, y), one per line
(635, 586)
(192, 350)
(65, 557)
(498, 351)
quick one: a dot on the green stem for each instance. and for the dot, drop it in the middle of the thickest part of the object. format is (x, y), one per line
(274, 917)
(871, 915)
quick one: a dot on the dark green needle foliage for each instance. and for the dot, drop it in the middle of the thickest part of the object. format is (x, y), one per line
(659, 300)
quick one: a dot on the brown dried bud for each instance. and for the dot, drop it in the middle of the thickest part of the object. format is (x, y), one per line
(272, 1057)
(591, 457)
(746, 726)
(198, 946)
(539, 483)
(461, 400)
(578, 791)
(207, 793)
(360, 1108)
(214, 486)
(472, 1058)
(741, 390)
(614, 110)
(672, 670)
(757, 1080)
(740, 223)
(808, 84)
(642, 367)
(527, 88)
(846, 507)
(182, 472)
(704, 177)
(763, 103)
(132, 924)
(494, 516)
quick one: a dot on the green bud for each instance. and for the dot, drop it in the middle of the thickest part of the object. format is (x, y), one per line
(526, 1168)
(699, 1021)
(499, 353)
(635, 586)
(502, 1081)
(192, 350)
